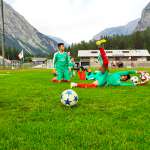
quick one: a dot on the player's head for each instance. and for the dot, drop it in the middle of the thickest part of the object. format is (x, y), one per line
(125, 77)
(61, 46)
(82, 68)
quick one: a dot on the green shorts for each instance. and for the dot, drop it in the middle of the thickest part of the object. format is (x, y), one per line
(63, 74)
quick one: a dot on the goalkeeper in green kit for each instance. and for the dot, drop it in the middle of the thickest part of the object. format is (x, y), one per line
(61, 65)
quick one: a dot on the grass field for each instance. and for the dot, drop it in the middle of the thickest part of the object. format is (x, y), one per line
(109, 118)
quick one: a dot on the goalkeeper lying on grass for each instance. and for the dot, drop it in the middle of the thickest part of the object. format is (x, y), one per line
(104, 78)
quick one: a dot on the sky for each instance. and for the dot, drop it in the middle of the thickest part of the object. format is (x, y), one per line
(77, 20)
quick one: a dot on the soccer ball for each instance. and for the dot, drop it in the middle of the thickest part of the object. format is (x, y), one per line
(145, 76)
(134, 79)
(69, 98)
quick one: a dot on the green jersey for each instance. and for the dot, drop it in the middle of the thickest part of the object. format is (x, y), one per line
(115, 78)
(102, 78)
(92, 75)
(60, 60)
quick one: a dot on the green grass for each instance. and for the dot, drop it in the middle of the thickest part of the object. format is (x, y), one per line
(108, 118)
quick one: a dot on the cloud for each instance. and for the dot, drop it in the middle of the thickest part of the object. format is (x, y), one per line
(10, 1)
(76, 20)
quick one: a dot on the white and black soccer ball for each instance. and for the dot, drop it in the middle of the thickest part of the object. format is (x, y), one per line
(145, 76)
(134, 79)
(69, 98)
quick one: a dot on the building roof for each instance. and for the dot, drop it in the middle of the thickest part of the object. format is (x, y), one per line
(114, 53)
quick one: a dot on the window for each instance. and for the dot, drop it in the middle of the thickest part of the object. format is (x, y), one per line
(94, 52)
(85, 63)
(109, 52)
(125, 52)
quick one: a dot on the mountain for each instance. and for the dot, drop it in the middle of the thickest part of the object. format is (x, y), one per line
(121, 30)
(144, 22)
(21, 35)
(58, 40)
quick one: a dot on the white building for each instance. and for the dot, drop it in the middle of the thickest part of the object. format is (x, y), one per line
(38, 61)
(138, 57)
(7, 62)
(42, 63)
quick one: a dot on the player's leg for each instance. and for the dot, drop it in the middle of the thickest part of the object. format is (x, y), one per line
(104, 57)
(73, 72)
(66, 74)
(85, 85)
(100, 81)
(55, 80)
(59, 76)
(55, 76)
(103, 54)
(70, 72)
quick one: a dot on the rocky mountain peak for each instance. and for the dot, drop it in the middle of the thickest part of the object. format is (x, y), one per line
(144, 22)
(20, 34)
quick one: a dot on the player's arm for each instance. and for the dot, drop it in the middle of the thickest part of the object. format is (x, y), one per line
(139, 72)
(124, 73)
(67, 59)
(54, 61)
(126, 84)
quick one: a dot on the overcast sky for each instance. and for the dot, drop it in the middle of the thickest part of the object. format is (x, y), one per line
(76, 20)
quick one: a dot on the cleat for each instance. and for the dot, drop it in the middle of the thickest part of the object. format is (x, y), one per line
(72, 85)
(99, 42)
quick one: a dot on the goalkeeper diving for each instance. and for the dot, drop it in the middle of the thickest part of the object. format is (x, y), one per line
(104, 78)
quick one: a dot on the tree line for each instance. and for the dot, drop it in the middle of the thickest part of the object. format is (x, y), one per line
(137, 40)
